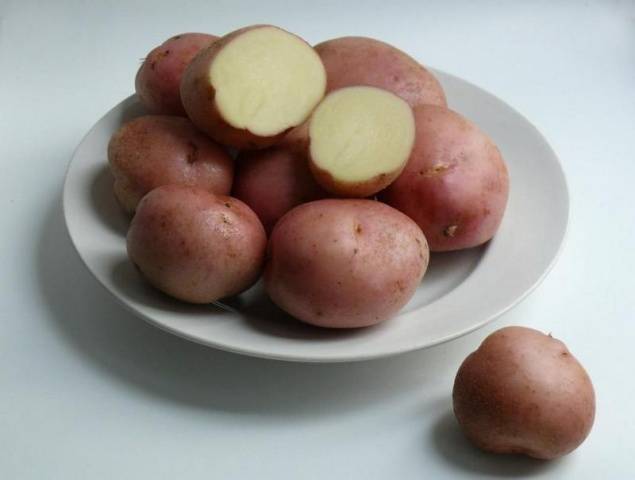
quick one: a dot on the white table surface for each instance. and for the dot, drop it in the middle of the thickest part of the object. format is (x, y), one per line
(88, 391)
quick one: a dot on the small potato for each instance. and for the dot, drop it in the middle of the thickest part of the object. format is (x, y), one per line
(252, 86)
(159, 77)
(157, 150)
(523, 392)
(273, 181)
(364, 61)
(344, 263)
(455, 185)
(196, 246)
(360, 139)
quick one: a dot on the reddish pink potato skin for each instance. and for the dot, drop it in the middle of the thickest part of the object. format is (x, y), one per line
(156, 150)
(455, 184)
(273, 181)
(523, 392)
(297, 139)
(198, 99)
(196, 246)
(365, 61)
(344, 263)
(159, 77)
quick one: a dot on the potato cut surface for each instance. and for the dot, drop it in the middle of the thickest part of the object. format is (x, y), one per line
(267, 80)
(358, 133)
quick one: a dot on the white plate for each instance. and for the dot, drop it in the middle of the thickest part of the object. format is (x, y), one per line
(462, 290)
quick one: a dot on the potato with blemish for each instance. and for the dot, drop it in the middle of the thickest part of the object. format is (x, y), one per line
(159, 78)
(196, 246)
(353, 61)
(344, 263)
(156, 150)
(455, 184)
(524, 392)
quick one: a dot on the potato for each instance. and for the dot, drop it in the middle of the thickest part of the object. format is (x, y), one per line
(196, 246)
(159, 77)
(344, 263)
(297, 139)
(364, 61)
(273, 181)
(523, 392)
(455, 185)
(252, 86)
(156, 150)
(360, 139)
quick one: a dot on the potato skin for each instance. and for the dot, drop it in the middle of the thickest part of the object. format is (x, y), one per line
(365, 61)
(156, 150)
(523, 392)
(198, 99)
(196, 246)
(273, 181)
(344, 263)
(455, 184)
(349, 189)
(159, 77)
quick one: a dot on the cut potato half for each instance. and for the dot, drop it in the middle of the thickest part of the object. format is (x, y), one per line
(267, 80)
(360, 140)
(253, 85)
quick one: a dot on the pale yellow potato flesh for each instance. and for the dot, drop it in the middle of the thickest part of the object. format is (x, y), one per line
(359, 133)
(267, 80)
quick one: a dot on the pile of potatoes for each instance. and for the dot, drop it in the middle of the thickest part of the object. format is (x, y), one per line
(332, 171)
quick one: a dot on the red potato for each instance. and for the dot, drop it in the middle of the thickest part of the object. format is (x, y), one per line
(365, 61)
(344, 263)
(360, 139)
(252, 86)
(156, 150)
(523, 392)
(159, 77)
(297, 139)
(455, 185)
(196, 246)
(273, 181)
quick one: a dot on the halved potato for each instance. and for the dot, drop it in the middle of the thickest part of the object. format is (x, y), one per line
(252, 86)
(360, 139)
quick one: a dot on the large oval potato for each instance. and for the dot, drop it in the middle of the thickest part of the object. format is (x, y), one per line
(273, 181)
(523, 392)
(455, 184)
(159, 78)
(196, 246)
(252, 86)
(344, 263)
(353, 61)
(156, 150)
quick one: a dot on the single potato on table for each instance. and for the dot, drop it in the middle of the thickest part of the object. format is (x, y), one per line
(252, 86)
(273, 181)
(156, 150)
(159, 78)
(455, 184)
(344, 263)
(523, 392)
(353, 61)
(360, 139)
(196, 246)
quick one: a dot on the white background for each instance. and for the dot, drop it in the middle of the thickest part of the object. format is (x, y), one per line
(88, 391)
